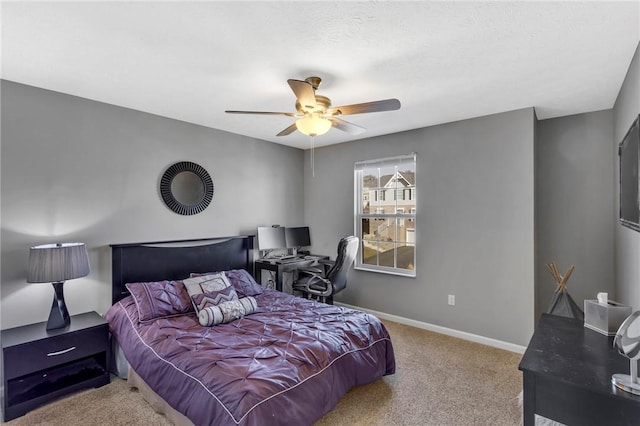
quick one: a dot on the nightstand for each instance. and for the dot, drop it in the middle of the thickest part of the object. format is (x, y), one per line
(41, 365)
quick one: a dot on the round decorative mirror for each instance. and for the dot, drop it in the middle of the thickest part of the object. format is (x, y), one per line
(186, 188)
(627, 341)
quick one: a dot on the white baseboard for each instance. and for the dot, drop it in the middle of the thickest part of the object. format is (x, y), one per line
(442, 330)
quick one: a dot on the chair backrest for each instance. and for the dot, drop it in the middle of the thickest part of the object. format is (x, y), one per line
(347, 249)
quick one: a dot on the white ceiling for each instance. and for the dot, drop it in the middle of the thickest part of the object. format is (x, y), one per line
(445, 61)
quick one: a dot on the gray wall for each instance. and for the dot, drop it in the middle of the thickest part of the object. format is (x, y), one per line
(77, 170)
(575, 205)
(626, 109)
(74, 169)
(475, 224)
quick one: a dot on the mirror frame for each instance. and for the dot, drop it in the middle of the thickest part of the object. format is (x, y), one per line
(169, 198)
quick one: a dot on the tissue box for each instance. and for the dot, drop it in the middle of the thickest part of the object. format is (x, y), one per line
(605, 319)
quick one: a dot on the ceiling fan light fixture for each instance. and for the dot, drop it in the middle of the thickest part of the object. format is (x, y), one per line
(315, 116)
(313, 126)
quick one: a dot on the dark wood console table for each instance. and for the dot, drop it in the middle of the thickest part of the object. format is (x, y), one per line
(567, 372)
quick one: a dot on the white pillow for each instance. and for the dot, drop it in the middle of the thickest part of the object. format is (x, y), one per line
(227, 311)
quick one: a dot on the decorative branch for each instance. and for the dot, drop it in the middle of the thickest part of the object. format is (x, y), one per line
(561, 280)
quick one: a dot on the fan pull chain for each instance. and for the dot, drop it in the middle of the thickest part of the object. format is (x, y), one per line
(313, 146)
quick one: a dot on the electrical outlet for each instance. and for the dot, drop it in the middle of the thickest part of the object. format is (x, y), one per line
(452, 300)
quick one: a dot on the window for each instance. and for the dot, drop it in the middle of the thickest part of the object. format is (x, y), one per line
(387, 238)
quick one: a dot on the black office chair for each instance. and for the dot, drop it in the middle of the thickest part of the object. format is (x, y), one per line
(314, 284)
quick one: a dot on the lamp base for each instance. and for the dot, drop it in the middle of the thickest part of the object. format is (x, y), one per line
(59, 316)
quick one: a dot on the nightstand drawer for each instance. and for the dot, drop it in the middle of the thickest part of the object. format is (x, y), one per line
(41, 354)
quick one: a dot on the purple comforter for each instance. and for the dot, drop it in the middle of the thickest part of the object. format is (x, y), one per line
(287, 363)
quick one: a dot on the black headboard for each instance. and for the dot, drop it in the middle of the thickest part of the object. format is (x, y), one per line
(175, 260)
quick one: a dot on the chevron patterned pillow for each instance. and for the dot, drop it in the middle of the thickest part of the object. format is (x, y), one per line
(209, 290)
(213, 298)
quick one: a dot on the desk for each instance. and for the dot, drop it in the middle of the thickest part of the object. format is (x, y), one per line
(567, 376)
(282, 266)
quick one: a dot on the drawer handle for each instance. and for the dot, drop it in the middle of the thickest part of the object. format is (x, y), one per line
(64, 351)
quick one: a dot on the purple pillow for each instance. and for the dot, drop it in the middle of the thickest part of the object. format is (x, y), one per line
(160, 299)
(241, 280)
(244, 283)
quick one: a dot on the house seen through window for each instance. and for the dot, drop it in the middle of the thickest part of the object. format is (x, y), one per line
(385, 205)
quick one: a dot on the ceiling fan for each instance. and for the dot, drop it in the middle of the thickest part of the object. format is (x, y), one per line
(315, 116)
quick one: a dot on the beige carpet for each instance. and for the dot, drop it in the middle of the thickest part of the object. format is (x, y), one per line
(439, 380)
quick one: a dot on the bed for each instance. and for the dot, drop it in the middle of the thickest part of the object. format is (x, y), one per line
(288, 362)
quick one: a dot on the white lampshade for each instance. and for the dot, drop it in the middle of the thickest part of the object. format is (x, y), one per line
(313, 126)
(57, 262)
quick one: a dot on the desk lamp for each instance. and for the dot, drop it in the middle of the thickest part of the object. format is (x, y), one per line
(56, 263)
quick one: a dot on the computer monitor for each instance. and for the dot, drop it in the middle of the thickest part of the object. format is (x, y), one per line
(271, 238)
(297, 237)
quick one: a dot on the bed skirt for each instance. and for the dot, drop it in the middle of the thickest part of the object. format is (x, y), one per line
(158, 404)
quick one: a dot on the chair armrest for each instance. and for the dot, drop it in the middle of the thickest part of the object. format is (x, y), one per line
(310, 279)
(319, 278)
(324, 293)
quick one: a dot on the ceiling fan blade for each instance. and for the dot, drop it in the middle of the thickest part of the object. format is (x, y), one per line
(345, 126)
(304, 93)
(288, 130)
(375, 106)
(288, 114)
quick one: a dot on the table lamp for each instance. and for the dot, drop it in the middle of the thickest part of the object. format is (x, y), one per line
(56, 263)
